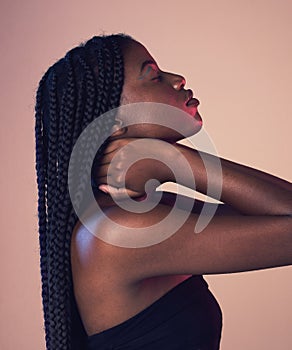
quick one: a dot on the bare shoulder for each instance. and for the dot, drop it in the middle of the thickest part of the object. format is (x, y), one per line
(104, 285)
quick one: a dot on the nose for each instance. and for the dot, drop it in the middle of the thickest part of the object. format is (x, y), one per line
(178, 81)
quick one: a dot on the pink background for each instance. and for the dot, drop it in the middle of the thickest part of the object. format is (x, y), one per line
(236, 56)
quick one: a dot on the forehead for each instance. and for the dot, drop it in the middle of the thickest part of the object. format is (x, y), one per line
(134, 55)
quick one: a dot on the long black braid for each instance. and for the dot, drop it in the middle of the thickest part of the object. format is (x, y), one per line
(77, 89)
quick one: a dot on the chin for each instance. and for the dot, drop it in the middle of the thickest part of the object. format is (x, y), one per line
(195, 124)
(189, 126)
(198, 122)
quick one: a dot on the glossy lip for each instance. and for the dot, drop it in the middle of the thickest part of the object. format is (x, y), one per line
(191, 101)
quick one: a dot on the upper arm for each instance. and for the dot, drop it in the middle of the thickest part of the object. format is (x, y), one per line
(228, 243)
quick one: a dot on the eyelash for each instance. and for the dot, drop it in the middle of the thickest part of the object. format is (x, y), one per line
(159, 78)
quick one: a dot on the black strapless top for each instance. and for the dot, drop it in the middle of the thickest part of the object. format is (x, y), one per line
(186, 317)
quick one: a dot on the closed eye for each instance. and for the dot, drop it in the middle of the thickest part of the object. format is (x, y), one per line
(151, 67)
(157, 78)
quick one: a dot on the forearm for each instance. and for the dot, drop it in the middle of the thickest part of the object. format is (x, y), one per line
(271, 179)
(248, 190)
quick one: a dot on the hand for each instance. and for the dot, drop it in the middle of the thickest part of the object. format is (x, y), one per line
(129, 163)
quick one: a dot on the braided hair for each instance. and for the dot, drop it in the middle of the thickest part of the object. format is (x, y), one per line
(77, 89)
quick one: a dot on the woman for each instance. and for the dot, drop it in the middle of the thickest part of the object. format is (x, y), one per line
(97, 295)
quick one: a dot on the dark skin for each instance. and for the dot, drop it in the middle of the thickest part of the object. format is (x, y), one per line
(252, 231)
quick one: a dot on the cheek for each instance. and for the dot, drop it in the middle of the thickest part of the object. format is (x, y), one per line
(147, 93)
(139, 96)
(130, 96)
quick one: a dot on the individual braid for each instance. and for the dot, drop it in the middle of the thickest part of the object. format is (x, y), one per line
(118, 76)
(58, 286)
(88, 116)
(41, 169)
(53, 141)
(74, 92)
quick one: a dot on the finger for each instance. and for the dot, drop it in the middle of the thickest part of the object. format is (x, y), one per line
(114, 192)
(106, 158)
(107, 180)
(112, 146)
(101, 171)
(117, 144)
(110, 149)
(115, 170)
(119, 193)
(101, 180)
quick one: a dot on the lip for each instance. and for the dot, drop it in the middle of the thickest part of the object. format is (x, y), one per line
(190, 100)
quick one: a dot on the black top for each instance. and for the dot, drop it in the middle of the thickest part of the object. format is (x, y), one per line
(186, 317)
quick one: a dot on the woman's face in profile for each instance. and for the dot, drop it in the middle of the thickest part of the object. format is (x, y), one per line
(145, 82)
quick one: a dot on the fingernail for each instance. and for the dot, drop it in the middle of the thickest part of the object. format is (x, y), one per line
(103, 188)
